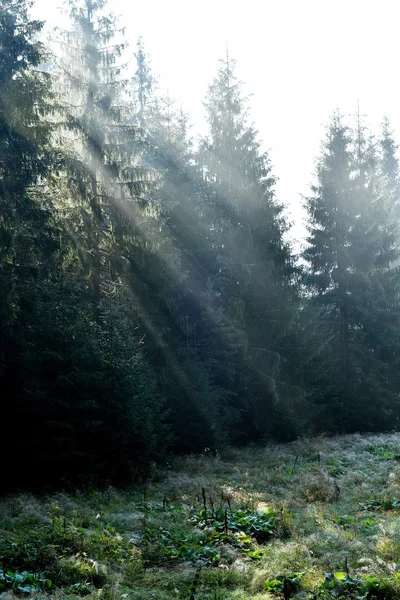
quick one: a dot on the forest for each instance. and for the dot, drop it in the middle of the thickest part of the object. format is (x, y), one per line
(152, 304)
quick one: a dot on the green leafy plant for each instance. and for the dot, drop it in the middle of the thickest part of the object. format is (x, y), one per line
(236, 528)
(368, 522)
(261, 526)
(284, 584)
(384, 503)
(344, 521)
(66, 551)
(335, 467)
(384, 452)
(342, 585)
(179, 547)
(23, 582)
(238, 539)
(81, 589)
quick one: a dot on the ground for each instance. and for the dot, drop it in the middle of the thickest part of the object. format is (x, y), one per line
(311, 519)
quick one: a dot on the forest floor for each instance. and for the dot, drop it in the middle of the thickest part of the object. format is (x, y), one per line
(310, 519)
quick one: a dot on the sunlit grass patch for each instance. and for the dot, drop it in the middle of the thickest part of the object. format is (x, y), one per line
(328, 505)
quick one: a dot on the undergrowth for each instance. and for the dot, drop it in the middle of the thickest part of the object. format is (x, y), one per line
(314, 519)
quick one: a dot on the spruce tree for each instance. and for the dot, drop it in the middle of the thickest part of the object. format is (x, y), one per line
(253, 271)
(87, 382)
(352, 243)
(389, 166)
(174, 288)
(389, 160)
(105, 168)
(24, 158)
(28, 236)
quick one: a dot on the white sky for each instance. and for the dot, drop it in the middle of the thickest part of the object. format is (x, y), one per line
(300, 59)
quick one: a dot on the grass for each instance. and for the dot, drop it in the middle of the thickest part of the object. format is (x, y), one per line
(316, 518)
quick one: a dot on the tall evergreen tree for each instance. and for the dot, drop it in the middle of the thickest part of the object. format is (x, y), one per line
(253, 269)
(24, 136)
(389, 165)
(86, 373)
(352, 243)
(28, 238)
(389, 160)
(174, 292)
(105, 167)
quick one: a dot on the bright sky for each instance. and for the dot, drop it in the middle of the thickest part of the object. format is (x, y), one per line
(300, 59)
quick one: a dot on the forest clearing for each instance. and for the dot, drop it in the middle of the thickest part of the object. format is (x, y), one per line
(314, 518)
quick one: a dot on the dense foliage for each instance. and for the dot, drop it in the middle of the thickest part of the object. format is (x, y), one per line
(150, 300)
